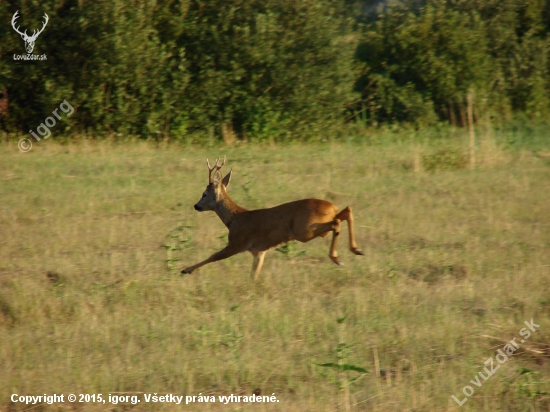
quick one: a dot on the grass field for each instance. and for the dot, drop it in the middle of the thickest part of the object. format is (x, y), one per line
(91, 300)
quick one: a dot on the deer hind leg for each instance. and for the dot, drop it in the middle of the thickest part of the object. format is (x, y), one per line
(257, 264)
(226, 252)
(347, 215)
(322, 230)
(333, 254)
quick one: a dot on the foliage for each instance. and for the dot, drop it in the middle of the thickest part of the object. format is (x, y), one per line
(272, 69)
(119, 77)
(419, 63)
(342, 376)
(267, 68)
(176, 241)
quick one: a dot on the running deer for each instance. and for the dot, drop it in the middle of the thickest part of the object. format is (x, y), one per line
(257, 231)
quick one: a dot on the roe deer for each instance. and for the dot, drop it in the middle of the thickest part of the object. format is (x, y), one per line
(257, 231)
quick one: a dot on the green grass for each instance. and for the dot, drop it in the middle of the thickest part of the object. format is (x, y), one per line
(455, 261)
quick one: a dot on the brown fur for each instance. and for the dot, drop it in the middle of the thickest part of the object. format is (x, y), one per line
(259, 230)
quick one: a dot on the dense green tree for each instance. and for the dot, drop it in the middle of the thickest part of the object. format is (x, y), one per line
(104, 57)
(421, 60)
(271, 69)
(267, 69)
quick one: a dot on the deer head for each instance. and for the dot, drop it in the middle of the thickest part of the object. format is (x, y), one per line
(216, 189)
(29, 40)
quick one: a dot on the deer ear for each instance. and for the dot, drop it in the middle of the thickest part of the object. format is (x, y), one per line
(226, 179)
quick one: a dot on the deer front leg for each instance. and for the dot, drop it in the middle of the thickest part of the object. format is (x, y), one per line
(257, 264)
(226, 252)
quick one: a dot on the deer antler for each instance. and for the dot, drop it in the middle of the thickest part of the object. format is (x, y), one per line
(215, 168)
(14, 18)
(35, 34)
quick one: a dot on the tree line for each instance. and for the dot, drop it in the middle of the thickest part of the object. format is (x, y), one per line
(272, 69)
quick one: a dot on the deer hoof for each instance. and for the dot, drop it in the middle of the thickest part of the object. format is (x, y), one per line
(185, 271)
(337, 261)
(357, 252)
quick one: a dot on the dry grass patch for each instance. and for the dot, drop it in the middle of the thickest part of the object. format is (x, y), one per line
(455, 261)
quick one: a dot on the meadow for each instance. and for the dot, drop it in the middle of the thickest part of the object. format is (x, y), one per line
(93, 235)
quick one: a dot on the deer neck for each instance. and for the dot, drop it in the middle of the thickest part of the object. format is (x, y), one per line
(227, 210)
